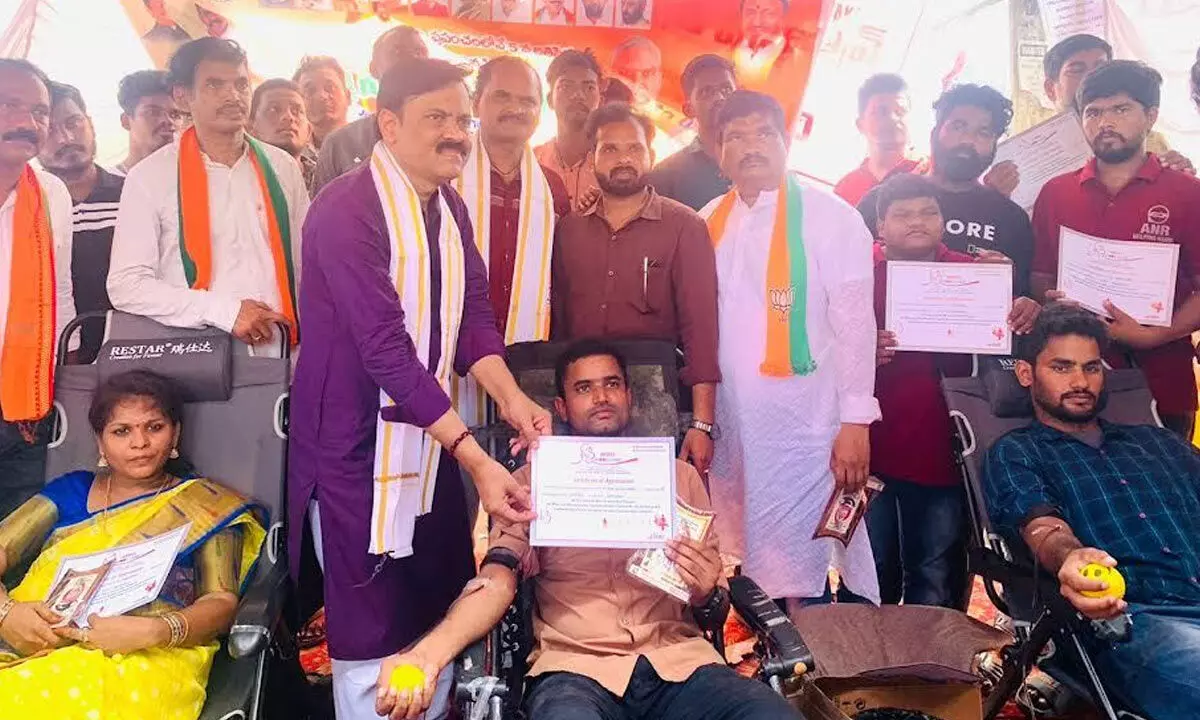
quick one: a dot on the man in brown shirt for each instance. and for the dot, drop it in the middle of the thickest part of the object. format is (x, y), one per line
(639, 265)
(574, 81)
(606, 645)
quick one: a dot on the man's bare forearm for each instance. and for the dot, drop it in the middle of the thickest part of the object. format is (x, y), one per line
(1051, 540)
(473, 614)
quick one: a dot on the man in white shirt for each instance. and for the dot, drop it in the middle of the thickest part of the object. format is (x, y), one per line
(797, 361)
(35, 281)
(208, 231)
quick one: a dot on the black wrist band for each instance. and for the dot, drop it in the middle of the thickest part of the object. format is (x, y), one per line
(458, 441)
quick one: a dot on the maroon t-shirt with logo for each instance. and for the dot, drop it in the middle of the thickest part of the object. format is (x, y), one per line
(1158, 205)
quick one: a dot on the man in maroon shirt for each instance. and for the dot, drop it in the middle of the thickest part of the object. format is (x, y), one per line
(883, 121)
(1126, 193)
(917, 525)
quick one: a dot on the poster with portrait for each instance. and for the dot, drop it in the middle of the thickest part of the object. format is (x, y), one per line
(644, 43)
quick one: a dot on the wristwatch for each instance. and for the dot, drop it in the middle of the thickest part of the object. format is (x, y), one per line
(710, 429)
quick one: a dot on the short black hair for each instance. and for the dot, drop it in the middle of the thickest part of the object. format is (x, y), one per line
(612, 113)
(585, 348)
(181, 68)
(411, 77)
(983, 97)
(310, 63)
(879, 84)
(138, 85)
(488, 69)
(615, 90)
(568, 59)
(1137, 80)
(62, 91)
(1059, 320)
(22, 65)
(1058, 55)
(161, 391)
(903, 186)
(699, 64)
(742, 103)
(266, 87)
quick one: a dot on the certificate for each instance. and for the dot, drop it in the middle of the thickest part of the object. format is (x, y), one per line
(135, 573)
(653, 567)
(950, 307)
(1044, 152)
(1138, 277)
(603, 492)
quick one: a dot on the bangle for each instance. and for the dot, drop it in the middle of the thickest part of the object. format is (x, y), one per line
(177, 623)
(458, 441)
(5, 608)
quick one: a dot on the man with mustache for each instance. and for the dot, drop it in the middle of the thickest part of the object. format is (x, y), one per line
(574, 92)
(693, 175)
(512, 11)
(969, 121)
(634, 14)
(606, 645)
(596, 13)
(208, 227)
(322, 83)
(638, 61)
(636, 264)
(36, 302)
(278, 117)
(346, 147)
(1126, 193)
(797, 362)
(1079, 490)
(395, 302)
(70, 154)
(148, 113)
(918, 523)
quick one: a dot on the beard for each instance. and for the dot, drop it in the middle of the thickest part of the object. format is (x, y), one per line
(593, 9)
(1118, 153)
(1057, 408)
(624, 186)
(961, 164)
(631, 15)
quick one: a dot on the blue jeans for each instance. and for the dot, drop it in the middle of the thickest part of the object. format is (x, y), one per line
(918, 537)
(713, 692)
(1156, 671)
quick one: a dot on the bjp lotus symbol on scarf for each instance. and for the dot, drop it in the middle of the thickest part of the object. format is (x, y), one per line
(782, 300)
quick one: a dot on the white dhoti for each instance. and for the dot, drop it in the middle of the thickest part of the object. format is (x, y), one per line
(771, 479)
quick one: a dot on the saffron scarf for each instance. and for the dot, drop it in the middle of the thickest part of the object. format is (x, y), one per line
(529, 305)
(27, 363)
(787, 352)
(195, 226)
(407, 457)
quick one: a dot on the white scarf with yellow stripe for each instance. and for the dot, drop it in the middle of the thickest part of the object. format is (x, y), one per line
(529, 306)
(406, 457)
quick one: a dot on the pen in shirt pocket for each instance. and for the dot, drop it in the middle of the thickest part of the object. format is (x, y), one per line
(645, 275)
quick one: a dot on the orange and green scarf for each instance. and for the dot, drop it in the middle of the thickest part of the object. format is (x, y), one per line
(27, 363)
(195, 228)
(787, 350)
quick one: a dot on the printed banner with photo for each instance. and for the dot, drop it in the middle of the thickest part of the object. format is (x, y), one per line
(645, 43)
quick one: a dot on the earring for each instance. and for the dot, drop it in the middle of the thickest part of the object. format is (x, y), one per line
(174, 453)
(102, 462)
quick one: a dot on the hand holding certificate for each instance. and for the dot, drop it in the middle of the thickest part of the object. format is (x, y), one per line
(655, 568)
(950, 307)
(603, 492)
(1138, 277)
(1044, 152)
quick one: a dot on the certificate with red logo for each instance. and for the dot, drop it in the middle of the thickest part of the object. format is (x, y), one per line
(1138, 277)
(603, 492)
(950, 307)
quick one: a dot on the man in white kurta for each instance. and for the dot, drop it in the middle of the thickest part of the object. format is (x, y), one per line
(246, 290)
(789, 437)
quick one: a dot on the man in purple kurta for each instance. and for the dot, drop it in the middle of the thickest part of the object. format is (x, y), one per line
(355, 345)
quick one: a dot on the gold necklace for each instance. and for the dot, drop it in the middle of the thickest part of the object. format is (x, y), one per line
(108, 498)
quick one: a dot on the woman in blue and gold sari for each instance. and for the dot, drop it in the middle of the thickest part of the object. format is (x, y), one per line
(153, 661)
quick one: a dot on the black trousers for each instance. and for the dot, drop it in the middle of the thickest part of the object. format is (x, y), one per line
(713, 692)
(22, 465)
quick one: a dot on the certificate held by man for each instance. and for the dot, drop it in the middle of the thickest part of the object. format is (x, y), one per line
(603, 492)
(1138, 277)
(950, 307)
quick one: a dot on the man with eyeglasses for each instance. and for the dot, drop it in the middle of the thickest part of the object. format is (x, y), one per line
(693, 175)
(148, 113)
(395, 303)
(70, 154)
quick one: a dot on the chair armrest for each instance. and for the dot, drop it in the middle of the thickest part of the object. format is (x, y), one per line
(784, 649)
(475, 677)
(259, 610)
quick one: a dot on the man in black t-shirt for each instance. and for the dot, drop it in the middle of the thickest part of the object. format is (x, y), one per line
(970, 119)
(70, 153)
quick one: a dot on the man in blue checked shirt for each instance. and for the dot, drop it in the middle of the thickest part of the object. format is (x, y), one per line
(1081, 490)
